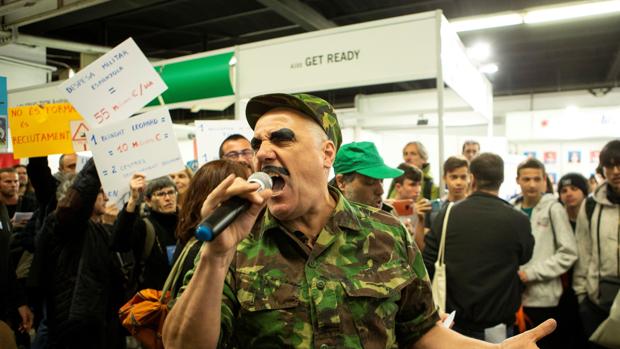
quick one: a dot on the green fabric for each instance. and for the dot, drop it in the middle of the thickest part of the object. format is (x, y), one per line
(199, 78)
(362, 285)
(528, 211)
(316, 108)
(363, 158)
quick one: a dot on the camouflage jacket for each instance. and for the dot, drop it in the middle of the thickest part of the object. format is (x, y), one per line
(362, 285)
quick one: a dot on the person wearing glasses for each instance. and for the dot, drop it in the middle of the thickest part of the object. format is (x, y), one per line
(237, 148)
(151, 238)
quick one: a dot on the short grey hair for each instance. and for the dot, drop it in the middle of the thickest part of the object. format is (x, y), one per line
(66, 180)
(421, 149)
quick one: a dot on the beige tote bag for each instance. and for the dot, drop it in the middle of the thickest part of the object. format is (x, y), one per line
(439, 278)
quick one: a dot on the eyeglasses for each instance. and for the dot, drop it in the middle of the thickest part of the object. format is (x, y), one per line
(246, 153)
(161, 194)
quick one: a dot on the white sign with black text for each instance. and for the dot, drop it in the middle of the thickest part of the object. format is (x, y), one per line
(144, 143)
(115, 86)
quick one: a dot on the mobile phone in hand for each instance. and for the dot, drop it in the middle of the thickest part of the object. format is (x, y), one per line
(403, 207)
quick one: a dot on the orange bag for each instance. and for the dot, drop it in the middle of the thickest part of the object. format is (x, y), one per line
(144, 314)
(522, 321)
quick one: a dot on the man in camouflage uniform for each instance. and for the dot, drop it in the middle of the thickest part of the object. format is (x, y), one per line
(313, 270)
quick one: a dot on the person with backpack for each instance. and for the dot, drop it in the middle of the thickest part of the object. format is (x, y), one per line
(596, 280)
(555, 250)
(152, 238)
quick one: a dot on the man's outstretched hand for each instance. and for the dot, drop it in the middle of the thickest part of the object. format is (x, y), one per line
(528, 339)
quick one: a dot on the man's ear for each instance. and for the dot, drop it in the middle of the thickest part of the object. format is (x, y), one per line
(340, 182)
(397, 186)
(473, 183)
(147, 201)
(329, 153)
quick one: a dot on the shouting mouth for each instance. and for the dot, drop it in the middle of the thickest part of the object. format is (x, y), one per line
(277, 175)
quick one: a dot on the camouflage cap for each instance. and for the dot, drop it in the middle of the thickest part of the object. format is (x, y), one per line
(317, 108)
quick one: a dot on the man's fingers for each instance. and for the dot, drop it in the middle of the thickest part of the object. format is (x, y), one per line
(543, 329)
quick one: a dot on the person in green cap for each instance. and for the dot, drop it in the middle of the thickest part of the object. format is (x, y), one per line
(304, 267)
(360, 171)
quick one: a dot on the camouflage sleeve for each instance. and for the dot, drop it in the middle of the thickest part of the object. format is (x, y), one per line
(417, 312)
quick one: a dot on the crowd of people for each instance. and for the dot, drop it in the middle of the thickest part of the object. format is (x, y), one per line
(312, 263)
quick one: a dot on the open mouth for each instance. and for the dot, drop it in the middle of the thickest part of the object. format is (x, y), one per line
(277, 177)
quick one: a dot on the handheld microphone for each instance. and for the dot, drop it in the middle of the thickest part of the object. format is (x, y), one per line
(229, 210)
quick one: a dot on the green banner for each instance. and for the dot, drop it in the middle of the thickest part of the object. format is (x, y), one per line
(199, 78)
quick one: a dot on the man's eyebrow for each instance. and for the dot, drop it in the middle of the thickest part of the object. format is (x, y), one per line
(282, 135)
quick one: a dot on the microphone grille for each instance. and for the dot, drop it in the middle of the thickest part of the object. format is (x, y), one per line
(263, 179)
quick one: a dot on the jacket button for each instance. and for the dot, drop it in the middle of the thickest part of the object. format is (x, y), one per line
(320, 284)
(324, 346)
(312, 264)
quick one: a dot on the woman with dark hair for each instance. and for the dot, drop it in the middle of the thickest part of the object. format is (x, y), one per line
(202, 184)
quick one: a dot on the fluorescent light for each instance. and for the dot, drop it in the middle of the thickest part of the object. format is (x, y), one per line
(71, 73)
(479, 52)
(572, 108)
(558, 13)
(537, 15)
(485, 22)
(490, 68)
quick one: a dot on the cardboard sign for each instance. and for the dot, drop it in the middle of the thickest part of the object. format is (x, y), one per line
(42, 130)
(210, 134)
(145, 143)
(114, 86)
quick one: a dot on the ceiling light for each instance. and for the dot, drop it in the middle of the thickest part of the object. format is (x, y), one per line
(485, 22)
(572, 108)
(537, 15)
(479, 52)
(558, 13)
(490, 68)
(71, 73)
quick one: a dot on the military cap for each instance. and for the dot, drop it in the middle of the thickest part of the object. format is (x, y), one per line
(316, 108)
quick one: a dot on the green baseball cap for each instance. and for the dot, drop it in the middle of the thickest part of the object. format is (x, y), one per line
(316, 108)
(363, 158)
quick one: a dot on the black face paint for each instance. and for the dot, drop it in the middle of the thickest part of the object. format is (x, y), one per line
(273, 170)
(278, 137)
(282, 135)
(255, 143)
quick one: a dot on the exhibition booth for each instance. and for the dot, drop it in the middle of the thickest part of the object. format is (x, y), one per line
(421, 47)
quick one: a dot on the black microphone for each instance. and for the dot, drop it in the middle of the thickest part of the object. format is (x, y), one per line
(229, 210)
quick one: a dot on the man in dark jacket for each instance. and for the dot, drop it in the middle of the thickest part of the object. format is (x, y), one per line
(486, 241)
(151, 239)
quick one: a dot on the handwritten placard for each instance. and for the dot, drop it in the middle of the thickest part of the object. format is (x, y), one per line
(145, 143)
(210, 134)
(42, 130)
(114, 86)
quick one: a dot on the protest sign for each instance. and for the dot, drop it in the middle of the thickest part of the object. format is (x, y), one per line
(145, 143)
(114, 86)
(210, 134)
(42, 130)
